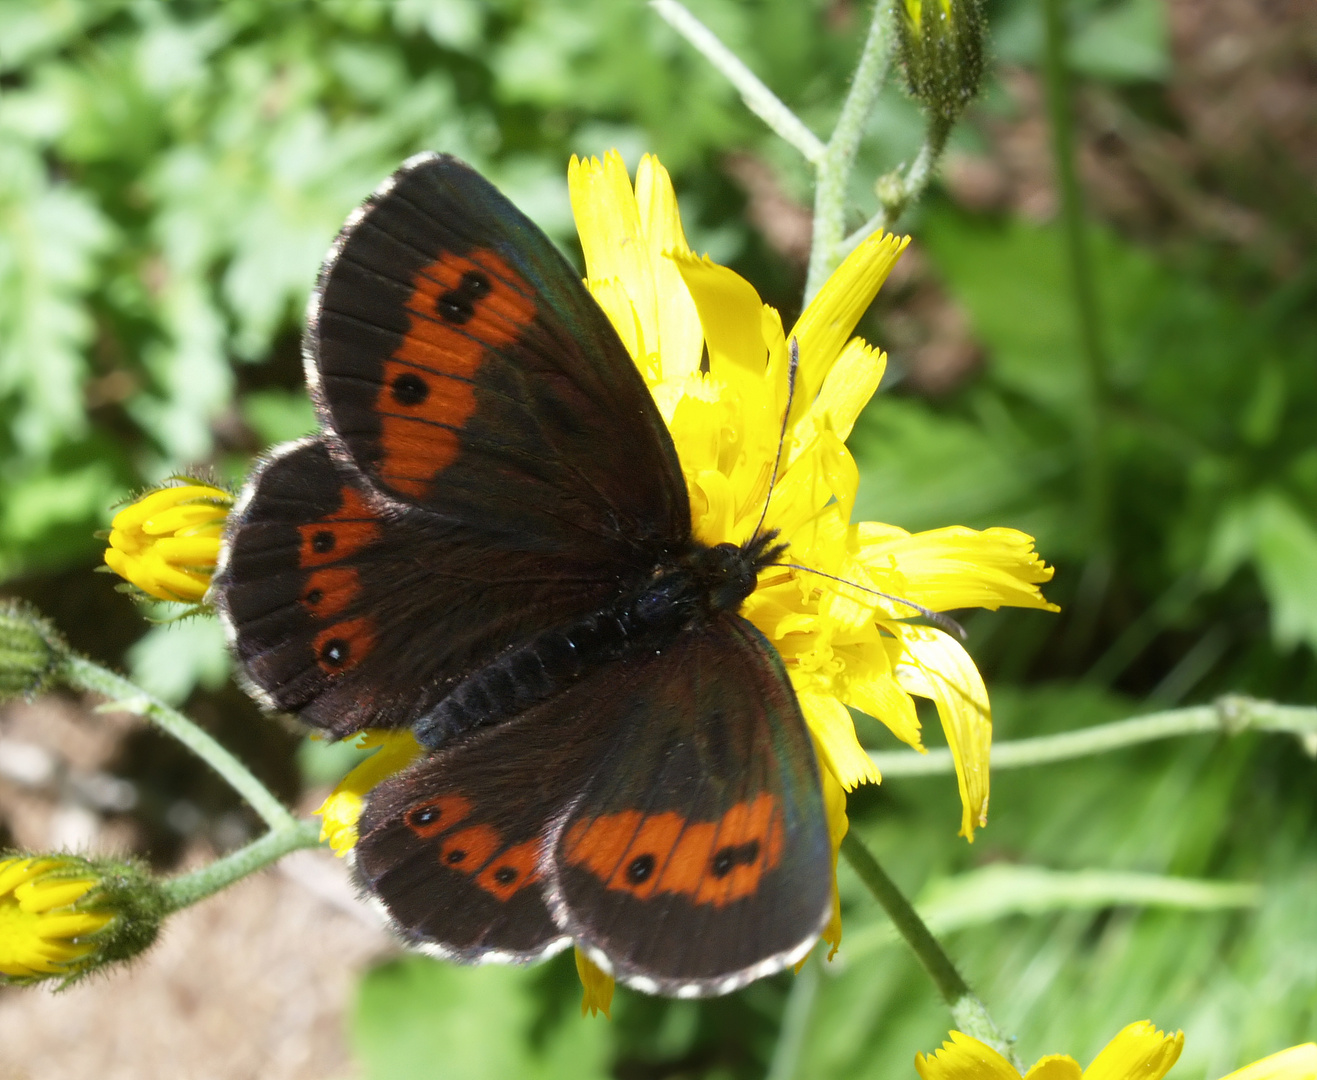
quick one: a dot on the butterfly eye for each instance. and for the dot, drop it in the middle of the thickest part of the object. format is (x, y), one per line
(475, 284)
(410, 389)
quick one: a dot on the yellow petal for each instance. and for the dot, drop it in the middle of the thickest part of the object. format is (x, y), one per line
(189, 550)
(183, 517)
(834, 806)
(834, 733)
(958, 567)
(608, 223)
(596, 987)
(1296, 1063)
(731, 314)
(936, 666)
(1138, 1052)
(824, 326)
(880, 696)
(340, 812)
(964, 1058)
(846, 391)
(36, 896)
(1055, 1067)
(681, 340)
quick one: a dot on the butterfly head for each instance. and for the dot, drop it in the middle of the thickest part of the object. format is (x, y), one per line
(727, 573)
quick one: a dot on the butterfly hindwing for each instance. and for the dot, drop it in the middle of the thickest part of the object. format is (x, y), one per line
(697, 856)
(694, 762)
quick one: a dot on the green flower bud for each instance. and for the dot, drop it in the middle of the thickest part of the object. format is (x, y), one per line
(941, 49)
(63, 916)
(30, 651)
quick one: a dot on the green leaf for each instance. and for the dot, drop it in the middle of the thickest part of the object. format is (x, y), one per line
(174, 658)
(1124, 42)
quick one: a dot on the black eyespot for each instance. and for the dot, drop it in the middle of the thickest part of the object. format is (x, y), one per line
(314, 597)
(410, 389)
(475, 284)
(505, 875)
(455, 856)
(426, 815)
(455, 307)
(723, 862)
(334, 652)
(322, 542)
(725, 859)
(640, 869)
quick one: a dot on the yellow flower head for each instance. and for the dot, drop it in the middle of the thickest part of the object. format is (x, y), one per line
(844, 647)
(62, 916)
(1138, 1052)
(166, 542)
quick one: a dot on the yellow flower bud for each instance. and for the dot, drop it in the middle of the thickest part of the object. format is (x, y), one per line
(62, 916)
(166, 542)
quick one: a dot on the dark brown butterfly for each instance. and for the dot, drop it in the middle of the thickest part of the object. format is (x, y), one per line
(489, 542)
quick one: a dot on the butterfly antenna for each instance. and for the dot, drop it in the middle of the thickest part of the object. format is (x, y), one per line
(945, 622)
(794, 350)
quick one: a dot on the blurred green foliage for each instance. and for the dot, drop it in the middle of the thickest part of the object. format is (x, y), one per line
(171, 174)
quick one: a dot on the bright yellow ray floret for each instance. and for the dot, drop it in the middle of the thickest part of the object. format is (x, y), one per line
(41, 932)
(1138, 1052)
(166, 543)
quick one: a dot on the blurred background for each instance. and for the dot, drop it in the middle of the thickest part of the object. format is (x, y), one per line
(171, 175)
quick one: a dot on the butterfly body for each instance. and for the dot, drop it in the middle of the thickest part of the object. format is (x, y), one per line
(490, 543)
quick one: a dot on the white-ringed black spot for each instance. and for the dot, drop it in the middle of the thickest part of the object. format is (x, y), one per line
(410, 389)
(334, 652)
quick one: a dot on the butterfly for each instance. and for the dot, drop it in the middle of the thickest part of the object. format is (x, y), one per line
(489, 543)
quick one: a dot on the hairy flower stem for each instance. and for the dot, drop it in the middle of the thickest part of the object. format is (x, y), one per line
(187, 889)
(834, 169)
(82, 674)
(759, 99)
(1061, 113)
(969, 1013)
(1231, 715)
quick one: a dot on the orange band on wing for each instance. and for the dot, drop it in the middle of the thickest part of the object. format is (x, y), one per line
(330, 590)
(512, 870)
(340, 535)
(435, 816)
(344, 644)
(461, 307)
(710, 862)
(467, 851)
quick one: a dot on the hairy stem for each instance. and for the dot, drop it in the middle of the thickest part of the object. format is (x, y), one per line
(187, 889)
(82, 674)
(1230, 715)
(759, 99)
(838, 160)
(969, 1013)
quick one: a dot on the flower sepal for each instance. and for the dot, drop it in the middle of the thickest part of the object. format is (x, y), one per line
(30, 651)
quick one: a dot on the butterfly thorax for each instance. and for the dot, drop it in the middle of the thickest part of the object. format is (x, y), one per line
(698, 586)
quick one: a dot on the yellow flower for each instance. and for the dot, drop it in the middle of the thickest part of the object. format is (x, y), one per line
(1138, 1052)
(597, 986)
(44, 931)
(166, 542)
(842, 646)
(340, 812)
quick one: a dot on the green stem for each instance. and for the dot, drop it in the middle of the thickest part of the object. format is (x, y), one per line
(187, 889)
(834, 169)
(897, 191)
(1230, 715)
(969, 1013)
(1061, 115)
(82, 674)
(759, 99)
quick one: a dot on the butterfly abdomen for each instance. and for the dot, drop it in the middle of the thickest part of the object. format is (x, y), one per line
(646, 619)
